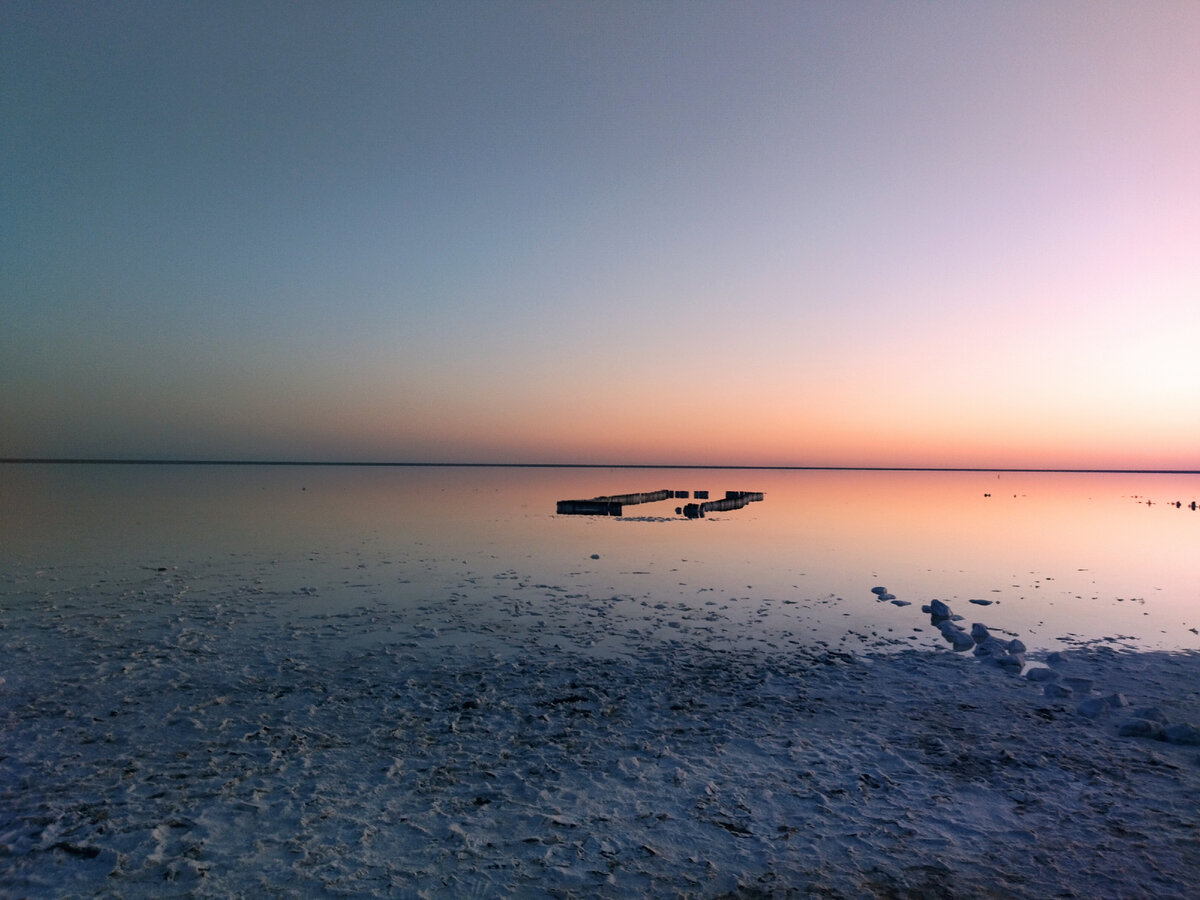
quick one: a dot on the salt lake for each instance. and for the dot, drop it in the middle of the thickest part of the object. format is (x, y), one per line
(221, 681)
(1048, 556)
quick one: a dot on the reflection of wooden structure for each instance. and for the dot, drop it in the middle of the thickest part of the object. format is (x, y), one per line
(613, 505)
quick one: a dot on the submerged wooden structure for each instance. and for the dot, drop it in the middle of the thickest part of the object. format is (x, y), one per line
(614, 504)
(609, 506)
(733, 500)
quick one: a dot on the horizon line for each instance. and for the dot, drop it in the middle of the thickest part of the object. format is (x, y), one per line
(33, 460)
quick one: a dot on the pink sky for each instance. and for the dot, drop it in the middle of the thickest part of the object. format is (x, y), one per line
(810, 234)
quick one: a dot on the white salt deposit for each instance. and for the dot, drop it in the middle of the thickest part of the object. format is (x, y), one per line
(175, 733)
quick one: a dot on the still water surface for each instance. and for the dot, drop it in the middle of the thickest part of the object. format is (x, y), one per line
(1057, 558)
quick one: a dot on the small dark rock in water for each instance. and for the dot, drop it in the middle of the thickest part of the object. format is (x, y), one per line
(899, 602)
(1182, 734)
(887, 596)
(595, 556)
(987, 646)
(1041, 674)
(879, 590)
(980, 602)
(939, 609)
(956, 636)
(998, 653)
(1142, 728)
(1013, 663)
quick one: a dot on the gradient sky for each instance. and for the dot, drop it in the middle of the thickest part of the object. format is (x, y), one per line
(698, 233)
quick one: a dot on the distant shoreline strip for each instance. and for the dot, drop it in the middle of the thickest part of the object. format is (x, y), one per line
(502, 465)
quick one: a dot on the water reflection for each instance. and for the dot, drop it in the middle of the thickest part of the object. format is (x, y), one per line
(1042, 555)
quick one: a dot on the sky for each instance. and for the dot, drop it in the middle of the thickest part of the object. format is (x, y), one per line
(810, 233)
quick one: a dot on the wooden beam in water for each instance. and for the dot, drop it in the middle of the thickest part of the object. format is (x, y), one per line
(612, 505)
(609, 506)
(733, 500)
(630, 499)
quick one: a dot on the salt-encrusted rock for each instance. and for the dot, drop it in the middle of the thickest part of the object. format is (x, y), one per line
(879, 590)
(939, 609)
(1141, 728)
(961, 641)
(1092, 707)
(956, 636)
(1150, 714)
(1010, 662)
(980, 632)
(988, 646)
(1182, 734)
(1041, 673)
(1057, 691)
(996, 653)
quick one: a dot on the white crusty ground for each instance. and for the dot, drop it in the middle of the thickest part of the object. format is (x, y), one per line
(166, 734)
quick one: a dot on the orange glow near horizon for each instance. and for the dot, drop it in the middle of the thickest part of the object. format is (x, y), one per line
(789, 234)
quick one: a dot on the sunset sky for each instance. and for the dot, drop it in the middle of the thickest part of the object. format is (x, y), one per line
(810, 233)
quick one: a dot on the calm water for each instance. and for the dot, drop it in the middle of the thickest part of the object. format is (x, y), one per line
(1078, 557)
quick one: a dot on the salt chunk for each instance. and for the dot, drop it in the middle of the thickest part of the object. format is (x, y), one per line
(1150, 714)
(956, 636)
(1142, 728)
(1092, 707)
(1182, 734)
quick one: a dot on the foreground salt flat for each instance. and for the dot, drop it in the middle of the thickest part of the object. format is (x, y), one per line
(176, 733)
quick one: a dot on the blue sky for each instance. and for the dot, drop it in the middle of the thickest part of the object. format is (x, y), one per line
(817, 233)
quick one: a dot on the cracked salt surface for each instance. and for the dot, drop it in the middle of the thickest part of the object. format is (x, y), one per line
(200, 733)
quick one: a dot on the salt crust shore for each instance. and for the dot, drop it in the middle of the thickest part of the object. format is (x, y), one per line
(161, 738)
